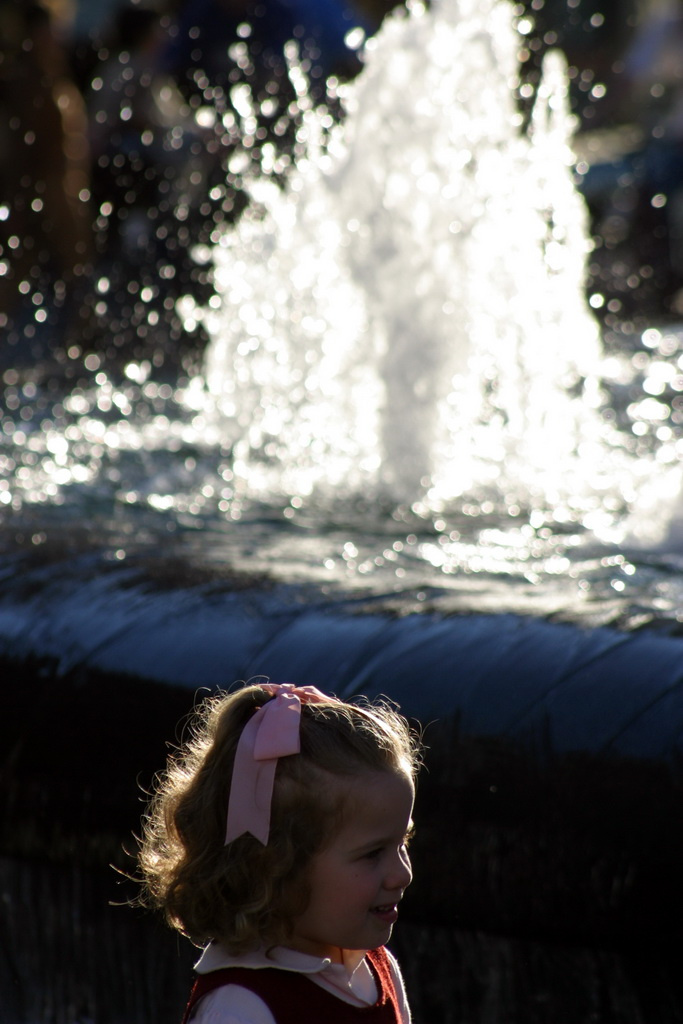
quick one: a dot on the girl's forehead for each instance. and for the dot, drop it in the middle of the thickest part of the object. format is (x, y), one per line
(379, 796)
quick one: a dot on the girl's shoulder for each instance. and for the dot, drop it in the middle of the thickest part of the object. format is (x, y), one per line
(231, 1004)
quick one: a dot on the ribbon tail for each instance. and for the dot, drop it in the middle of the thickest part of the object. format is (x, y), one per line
(251, 794)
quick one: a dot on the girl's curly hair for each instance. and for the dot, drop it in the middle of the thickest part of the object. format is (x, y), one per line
(246, 894)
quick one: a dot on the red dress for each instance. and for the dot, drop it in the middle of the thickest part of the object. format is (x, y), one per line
(293, 998)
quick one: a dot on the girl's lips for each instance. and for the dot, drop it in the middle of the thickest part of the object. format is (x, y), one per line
(387, 913)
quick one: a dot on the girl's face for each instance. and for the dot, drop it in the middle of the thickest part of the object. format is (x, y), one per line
(357, 881)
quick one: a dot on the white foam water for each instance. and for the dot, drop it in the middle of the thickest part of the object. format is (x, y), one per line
(408, 315)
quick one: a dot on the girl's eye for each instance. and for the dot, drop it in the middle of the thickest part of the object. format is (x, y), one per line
(374, 854)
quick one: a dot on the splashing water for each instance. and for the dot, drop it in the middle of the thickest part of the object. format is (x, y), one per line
(408, 315)
(404, 386)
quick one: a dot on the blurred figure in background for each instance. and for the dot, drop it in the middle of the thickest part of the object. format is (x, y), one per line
(45, 217)
(654, 70)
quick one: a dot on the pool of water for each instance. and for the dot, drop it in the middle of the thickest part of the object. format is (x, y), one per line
(130, 469)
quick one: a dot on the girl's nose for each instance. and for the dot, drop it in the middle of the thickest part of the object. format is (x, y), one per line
(400, 874)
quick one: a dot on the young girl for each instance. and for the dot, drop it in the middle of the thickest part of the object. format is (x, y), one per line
(277, 839)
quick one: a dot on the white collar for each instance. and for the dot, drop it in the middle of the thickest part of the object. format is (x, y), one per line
(215, 957)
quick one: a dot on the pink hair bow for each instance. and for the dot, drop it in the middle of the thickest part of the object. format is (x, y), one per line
(272, 732)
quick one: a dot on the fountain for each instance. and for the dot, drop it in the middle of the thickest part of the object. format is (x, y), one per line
(408, 465)
(410, 320)
(420, 327)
